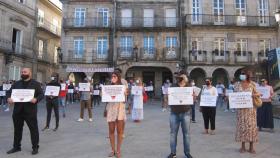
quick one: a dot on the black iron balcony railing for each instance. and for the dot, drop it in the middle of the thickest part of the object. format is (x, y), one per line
(171, 53)
(230, 20)
(148, 53)
(46, 25)
(197, 56)
(243, 57)
(83, 56)
(16, 49)
(220, 57)
(90, 22)
(147, 22)
(126, 53)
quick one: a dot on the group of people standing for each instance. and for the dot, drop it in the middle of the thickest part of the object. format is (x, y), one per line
(115, 112)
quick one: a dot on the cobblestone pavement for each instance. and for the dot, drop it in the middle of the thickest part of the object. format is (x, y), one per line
(148, 139)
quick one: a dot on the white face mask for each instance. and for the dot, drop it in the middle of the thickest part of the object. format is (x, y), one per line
(52, 78)
(242, 77)
(137, 81)
(193, 84)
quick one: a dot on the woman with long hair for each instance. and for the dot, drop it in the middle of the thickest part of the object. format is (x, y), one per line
(246, 128)
(137, 110)
(116, 117)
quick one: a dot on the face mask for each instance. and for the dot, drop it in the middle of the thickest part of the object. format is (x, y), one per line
(137, 81)
(24, 77)
(52, 78)
(242, 77)
(193, 84)
(208, 83)
(180, 79)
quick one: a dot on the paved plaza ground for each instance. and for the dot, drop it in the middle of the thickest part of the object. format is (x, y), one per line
(148, 139)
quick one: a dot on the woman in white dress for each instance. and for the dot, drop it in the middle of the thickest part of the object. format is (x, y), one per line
(137, 111)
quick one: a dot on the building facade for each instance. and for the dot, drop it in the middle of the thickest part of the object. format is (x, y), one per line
(20, 35)
(154, 39)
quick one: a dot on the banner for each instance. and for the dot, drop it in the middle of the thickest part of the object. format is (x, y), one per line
(113, 93)
(208, 100)
(85, 68)
(22, 95)
(180, 96)
(239, 100)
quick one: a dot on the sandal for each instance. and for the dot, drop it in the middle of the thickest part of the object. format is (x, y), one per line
(112, 154)
(118, 155)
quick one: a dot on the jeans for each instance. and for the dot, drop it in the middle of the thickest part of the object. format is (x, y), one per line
(193, 112)
(220, 101)
(70, 97)
(61, 103)
(175, 120)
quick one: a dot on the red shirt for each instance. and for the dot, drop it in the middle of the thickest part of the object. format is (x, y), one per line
(63, 93)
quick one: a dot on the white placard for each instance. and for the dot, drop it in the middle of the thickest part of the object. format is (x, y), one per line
(2, 93)
(208, 100)
(96, 92)
(63, 86)
(228, 91)
(52, 91)
(180, 96)
(22, 95)
(164, 90)
(240, 100)
(113, 93)
(7, 87)
(84, 87)
(137, 90)
(265, 91)
(196, 91)
(149, 88)
(70, 90)
(220, 90)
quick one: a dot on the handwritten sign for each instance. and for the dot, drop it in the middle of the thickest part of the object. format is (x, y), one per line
(149, 88)
(63, 86)
(136, 90)
(180, 96)
(52, 91)
(265, 91)
(220, 90)
(240, 100)
(96, 92)
(84, 87)
(71, 91)
(113, 93)
(7, 87)
(208, 100)
(22, 95)
(2, 93)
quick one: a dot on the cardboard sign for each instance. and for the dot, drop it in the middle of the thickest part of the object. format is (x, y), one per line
(22, 95)
(238, 100)
(208, 100)
(84, 87)
(7, 87)
(180, 96)
(137, 90)
(63, 86)
(52, 91)
(265, 91)
(113, 93)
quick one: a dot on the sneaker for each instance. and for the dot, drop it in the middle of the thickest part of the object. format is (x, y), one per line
(55, 129)
(90, 120)
(14, 150)
(233, 111)
(164, 109)
(45, 128)
(7, 110)
(80, 120)
(172, 155)
(226, 110)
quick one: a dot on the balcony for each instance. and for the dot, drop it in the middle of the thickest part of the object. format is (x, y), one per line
(243, 57)
(49, 27)
(220, 57)
(147, 23)
(85, 57)
(262, 57)
(18, 50)
(125, 53)
(45, 57)
(148, 53)
(230, 20)
(92, 22)
(198, 57)
(171, 53)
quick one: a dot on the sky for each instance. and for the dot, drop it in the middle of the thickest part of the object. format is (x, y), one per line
(57, 3)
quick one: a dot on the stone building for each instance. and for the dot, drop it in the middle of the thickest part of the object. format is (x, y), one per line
(153, 39)
(21, 33)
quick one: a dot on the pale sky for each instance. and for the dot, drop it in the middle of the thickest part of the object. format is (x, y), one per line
(57, 3)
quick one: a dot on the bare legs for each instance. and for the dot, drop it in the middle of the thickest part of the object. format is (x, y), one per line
(119, 124)
(251, 148)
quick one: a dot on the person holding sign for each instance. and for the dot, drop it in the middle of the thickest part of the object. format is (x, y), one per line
(178, 116)
(246, 128)
(137, 92)
(164, 89)
(62, 97)
(52, 102)
(221, 93)
(208, 101)
(85, 100)
(25, 111)
(264, 113)
(3, 99)
(116, 116)
(70, 94)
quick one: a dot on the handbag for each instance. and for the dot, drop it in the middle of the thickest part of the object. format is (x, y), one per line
(145, 97)
(257, 101)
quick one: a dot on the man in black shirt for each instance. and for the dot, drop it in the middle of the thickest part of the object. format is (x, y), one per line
(52, 103)
(25, 111)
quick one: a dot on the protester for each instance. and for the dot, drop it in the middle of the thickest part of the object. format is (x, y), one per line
(130, 96)
(52, 103)
(70, 94)
(209, 113)
(62, 98)
(178, 116)
(95, 97)
(246, 129)
(85, 102)
(137, 111)
(192, 83)
(3, 99)
(26, 111)
(151, 92)
(231, 88)
(164, 89)
(221, 93)
(264, 113)
(116, 117)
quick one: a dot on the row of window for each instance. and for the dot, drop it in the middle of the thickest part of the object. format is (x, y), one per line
(42, 46)
(54, 26)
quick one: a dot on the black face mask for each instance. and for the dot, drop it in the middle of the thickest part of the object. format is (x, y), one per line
(24, 77)
(208, 83)
(179, 79)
